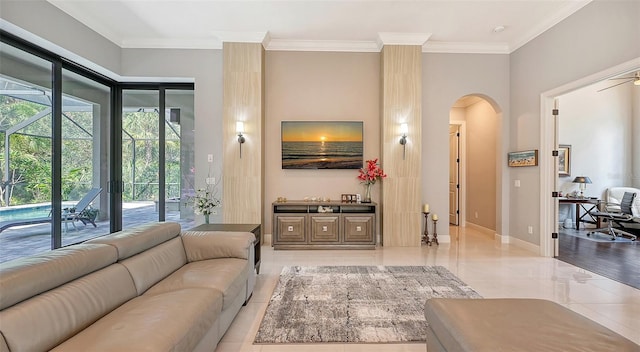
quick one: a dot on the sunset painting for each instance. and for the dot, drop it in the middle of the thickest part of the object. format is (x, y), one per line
(322, 145)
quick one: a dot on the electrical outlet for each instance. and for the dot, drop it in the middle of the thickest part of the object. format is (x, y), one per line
(516, 183)
(210, 158)
(211, 180)
(530, 230)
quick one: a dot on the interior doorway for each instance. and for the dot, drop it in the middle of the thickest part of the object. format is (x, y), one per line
(474, 136)
(549, 219)
(454, 174)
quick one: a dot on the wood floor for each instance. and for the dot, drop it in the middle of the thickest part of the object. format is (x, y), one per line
(618, 261)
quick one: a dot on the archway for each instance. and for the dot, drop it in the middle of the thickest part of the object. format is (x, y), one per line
(476, 120)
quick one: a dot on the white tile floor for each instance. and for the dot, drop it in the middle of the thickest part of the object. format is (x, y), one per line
(492, 269)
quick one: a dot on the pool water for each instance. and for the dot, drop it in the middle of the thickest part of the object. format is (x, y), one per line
(23, 212)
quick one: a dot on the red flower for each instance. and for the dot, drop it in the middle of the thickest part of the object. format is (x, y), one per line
(371, 173)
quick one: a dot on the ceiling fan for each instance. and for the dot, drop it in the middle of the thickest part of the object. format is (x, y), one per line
(635, 79)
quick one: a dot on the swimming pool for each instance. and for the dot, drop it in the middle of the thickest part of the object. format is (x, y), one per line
(22, 212)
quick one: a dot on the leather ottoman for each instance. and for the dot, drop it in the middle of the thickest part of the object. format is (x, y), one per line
(494, 325)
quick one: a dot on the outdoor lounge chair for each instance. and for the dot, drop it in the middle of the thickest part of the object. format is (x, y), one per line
(73, 214)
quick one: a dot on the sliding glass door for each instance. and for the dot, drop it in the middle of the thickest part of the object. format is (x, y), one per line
(82, 155)
(157, 155)
(86, 111)
(26, 139)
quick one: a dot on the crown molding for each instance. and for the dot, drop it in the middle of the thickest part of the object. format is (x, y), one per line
(244, 37)
(322, 45)
(466, 48)
(191, 43)
(571, 8)
(390, 38)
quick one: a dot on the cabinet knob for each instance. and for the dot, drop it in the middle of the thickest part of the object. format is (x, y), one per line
(290, 228)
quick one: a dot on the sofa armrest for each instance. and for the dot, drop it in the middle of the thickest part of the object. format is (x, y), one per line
(202, 245)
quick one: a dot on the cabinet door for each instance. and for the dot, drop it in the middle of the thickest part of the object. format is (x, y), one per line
(324, 229)
(359, 228)
(290, 229)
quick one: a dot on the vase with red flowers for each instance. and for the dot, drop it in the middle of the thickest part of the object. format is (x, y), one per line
(368, 176)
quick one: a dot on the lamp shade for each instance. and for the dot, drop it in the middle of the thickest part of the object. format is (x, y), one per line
(582, 179)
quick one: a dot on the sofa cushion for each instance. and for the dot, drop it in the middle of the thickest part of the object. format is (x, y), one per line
(44, 321)
(201, 245)
(153, 265)
(172, 321)
(24, 278)
(138, 239)
(228, 276)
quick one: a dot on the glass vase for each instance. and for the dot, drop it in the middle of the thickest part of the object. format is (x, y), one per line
(206, 218)
(367, 193)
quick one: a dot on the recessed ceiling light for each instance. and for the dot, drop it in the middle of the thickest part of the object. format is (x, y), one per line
(498, 29)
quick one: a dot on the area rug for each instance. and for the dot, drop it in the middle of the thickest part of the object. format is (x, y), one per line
(355, 304)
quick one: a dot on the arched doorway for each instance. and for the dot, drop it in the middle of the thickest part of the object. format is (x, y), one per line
(475, 133)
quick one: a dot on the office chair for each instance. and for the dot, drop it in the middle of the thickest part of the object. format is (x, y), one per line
(619, 218)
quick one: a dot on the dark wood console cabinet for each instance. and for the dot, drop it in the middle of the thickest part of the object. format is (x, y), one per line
(300, 225)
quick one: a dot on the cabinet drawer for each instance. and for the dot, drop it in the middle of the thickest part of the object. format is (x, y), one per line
(358, 228)
(290, 229)
(324, 229)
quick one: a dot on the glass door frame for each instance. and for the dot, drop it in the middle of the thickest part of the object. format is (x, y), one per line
(162, 89)
(115, 182)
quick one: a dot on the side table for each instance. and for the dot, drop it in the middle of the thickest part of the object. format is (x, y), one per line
(253, 228)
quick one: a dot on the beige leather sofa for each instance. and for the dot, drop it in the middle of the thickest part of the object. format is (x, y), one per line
(151, 288)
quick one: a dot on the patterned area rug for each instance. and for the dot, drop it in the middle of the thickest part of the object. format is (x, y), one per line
(355, 304)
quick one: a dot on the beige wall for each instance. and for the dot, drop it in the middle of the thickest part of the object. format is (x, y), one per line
(323, 86)
(481, 142)
(573, 49)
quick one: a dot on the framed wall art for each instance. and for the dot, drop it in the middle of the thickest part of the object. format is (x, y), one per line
(564, 160)
(523, 158)
(322, 144)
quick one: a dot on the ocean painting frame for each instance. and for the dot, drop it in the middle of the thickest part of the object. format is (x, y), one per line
(322, 144)
(523, 158)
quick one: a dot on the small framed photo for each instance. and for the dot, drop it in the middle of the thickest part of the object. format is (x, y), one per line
(523, 158)
(564, 160)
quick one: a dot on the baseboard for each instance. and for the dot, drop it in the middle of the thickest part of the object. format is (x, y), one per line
(502, 239)
(482, 229)
(523, 244)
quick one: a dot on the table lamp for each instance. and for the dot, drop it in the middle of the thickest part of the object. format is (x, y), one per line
(582, 180)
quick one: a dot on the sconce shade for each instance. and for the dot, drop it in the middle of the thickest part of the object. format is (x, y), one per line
(239, 127)
(582, 179)
(404, 129)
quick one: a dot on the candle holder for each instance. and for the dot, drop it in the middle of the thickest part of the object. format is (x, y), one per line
(425, 236)
(435, 233)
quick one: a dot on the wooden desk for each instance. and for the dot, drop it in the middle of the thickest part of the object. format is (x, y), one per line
(588, 205)
(253, 228)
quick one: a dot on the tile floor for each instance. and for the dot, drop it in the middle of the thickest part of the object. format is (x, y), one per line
(492, 269)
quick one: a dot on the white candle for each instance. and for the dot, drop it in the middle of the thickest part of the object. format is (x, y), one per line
(425, 208)
(435, 217)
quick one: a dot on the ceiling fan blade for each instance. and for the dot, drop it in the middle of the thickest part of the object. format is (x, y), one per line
(615, 85)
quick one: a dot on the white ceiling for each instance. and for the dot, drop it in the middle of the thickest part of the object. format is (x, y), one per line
(326, 25)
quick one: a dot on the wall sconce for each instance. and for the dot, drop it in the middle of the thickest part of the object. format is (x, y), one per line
(240, 130)
(403, 139)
